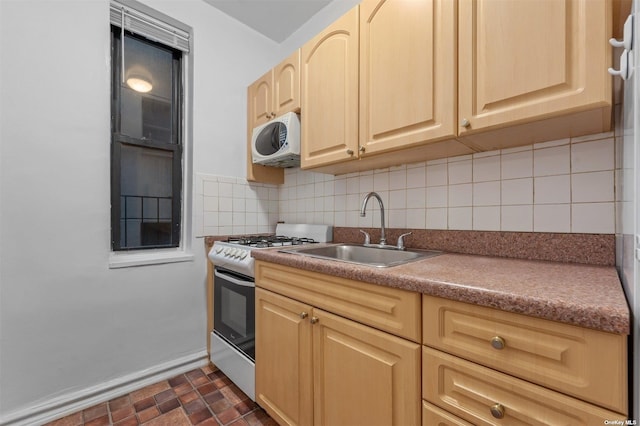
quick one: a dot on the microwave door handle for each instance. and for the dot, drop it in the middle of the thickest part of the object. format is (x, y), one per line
(235, 280)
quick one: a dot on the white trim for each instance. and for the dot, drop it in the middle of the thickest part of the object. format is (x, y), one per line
(72, 402)
(150, 257)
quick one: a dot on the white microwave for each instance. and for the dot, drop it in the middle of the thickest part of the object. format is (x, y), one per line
(277, 143)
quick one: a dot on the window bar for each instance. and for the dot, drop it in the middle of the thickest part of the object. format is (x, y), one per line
(126, 210)
(122, 41)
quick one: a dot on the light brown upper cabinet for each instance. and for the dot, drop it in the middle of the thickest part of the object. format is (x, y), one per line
(276, 93)
(407, 83)
(272, 95)
(381, 82)
(329, 119)
(439, 78)
(529, 60)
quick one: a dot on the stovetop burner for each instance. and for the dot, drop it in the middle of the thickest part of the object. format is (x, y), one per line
(235, 253)
(264, 241)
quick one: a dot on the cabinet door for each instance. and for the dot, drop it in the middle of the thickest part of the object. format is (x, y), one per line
(530, 59)
(261, 100)
(330, 94)
(286, 85)
(363, 376)
(407, 73)
(283, 358)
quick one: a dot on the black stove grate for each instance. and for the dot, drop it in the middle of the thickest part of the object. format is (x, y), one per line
(264, 241)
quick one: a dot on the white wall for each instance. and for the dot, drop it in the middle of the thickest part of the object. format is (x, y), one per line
(68, 323)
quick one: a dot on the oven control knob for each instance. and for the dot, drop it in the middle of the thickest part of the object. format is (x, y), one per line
(236, 253)
(243, 255)
(219, 249)
(227, 252)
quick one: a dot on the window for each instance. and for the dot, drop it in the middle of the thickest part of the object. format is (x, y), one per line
(146, 131)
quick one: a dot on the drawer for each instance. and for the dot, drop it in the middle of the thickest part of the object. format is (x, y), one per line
(588, 364)
(486, 397)
(385, 308)
(434, 416)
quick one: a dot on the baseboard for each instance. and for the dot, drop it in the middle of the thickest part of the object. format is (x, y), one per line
(63, 405)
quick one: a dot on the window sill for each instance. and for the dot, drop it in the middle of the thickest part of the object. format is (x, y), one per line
(153, 257)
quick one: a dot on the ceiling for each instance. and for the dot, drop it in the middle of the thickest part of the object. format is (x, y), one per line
(276, 19)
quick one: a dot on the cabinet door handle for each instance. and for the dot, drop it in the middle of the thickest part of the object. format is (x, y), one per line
(497, 411)
(465, 123)
(314, 320)
(362, 148)
(303, 315)
(349, 152)
(497, 342)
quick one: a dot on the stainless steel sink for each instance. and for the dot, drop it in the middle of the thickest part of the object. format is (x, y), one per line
(363, 255)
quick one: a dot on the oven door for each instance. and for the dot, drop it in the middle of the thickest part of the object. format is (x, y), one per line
(234, 310)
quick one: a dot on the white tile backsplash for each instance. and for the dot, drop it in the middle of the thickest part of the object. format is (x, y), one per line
(460, 172)
(557, 186)
(486, 218)
(486, 193)
(398, 179)
(552, 218)
(517, 164)
(487, 168)
(552, 161)
(517, 191)
(516, 218)
(417, 218)
(592, 156)
(592, 187)
(460, 218)
(460, 195)
(593, 218)
(552, 189)
(437, 196)
(437, 218)
(234, 206)
(436, 174)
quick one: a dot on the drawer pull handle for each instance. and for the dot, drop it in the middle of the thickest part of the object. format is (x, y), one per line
(497, 342)
(497, 411)
(314, 320)
(303, 315)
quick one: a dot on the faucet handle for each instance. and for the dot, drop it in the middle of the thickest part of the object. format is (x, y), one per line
(367, 238)
(400, 245)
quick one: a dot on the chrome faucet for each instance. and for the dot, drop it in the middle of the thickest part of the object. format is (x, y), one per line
(363, 213)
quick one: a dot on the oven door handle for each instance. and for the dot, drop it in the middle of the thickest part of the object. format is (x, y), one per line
(235, 280)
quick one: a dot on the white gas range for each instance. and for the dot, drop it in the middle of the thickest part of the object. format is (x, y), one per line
(235, 253)
(233, 339)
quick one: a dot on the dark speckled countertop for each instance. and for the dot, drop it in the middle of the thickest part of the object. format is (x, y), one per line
(583, 295)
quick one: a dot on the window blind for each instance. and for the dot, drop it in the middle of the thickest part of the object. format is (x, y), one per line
(147, 26)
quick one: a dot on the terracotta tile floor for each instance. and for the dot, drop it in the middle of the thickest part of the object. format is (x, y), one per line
(200, 397)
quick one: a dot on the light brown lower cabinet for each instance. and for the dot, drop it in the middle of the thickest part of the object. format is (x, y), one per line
(434, 416)
(484, 396)
(317, 368)
(334, 351)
